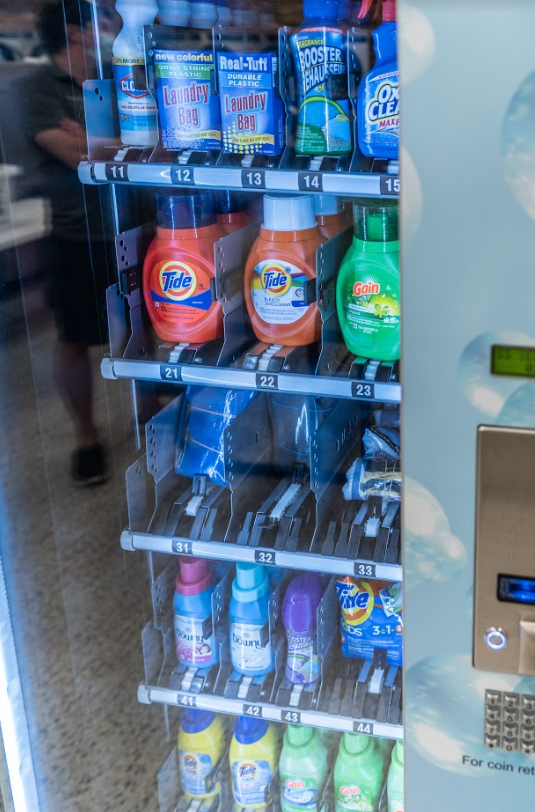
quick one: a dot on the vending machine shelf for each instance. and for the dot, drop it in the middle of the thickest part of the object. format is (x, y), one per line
(316, 385)
(134, 167)
(148, 694)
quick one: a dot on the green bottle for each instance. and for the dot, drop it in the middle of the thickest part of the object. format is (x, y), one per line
(302, 768)
(358, 774)
(395, 783)
(367, 288)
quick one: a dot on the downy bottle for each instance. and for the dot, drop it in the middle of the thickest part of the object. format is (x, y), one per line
(368, 285)
(319, 48)
(137, 108)
(378, 93)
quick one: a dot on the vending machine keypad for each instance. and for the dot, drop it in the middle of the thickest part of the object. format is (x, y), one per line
(509, 721)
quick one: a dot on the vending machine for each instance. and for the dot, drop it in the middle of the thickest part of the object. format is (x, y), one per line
(309, 584)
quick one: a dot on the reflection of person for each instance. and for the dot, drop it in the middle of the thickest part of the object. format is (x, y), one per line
(77, 275)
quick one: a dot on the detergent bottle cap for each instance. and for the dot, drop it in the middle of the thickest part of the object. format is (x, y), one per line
(327, 204)
(320, 9)
(186, 210)
(251, 582)
(228, 202)
(355, 743)
(194, 577)
(376, 222)
(388, 10)
(193, 720)
(248, 730)
(288, 212)
(299, 735)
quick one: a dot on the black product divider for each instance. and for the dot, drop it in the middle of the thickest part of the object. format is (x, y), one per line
(367, 691)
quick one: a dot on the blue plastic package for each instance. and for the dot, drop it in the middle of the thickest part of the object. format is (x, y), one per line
(372, 618)
(187, 106)
(209, 412)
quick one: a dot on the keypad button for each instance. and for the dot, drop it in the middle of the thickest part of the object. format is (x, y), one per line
(493, 713)
(492, 728)
(492, 741)
(511, 700)
(509, 744)
(528, 702)
(511, 731)
(527, 746)
(528, 734)
(493, 697)
(510, 715)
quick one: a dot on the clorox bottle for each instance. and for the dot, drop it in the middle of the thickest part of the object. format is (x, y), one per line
(179, 269)
(280, 266)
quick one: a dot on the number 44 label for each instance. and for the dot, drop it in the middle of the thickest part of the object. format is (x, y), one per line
(363, 727)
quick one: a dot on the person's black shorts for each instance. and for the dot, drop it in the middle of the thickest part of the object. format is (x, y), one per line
(76, 291)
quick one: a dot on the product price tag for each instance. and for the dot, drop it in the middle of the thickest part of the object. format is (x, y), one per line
(310, 181)
(169, 372)
(363, 391)
(389, 185)
(182, 547)
(266, 381)
(182, 176)
(365, 570)
(116, 172)
(291, 717)
(252, 710)
(253, 178)
(363, 727)
(265, 557)
(188, 701)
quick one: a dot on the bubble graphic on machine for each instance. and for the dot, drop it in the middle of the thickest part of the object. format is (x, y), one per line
(518, 145)
(485, 392)
(417, 42)
(519, 408)
(433, 552)
(445, 700)
(412, 199)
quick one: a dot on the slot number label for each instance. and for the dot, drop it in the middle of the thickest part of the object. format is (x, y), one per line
(262, 557)
(266, 381)
(363, 727)
(182, 547)
(252, 710)
(253, 178)
(389, 186)
(364, 391)
(182, 176)
(116, 172)
(365, 570)
(170, 373)
(291, 717)
(187, 701)
(310, 181)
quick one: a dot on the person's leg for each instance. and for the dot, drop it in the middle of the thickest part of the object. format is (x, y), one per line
(75, 381)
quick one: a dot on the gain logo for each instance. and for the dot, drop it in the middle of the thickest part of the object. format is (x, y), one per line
(177, 280)
(356, 600)
(126, 85)
(366, 289)
(275, 279)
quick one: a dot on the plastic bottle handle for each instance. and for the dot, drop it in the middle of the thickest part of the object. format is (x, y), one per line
(389, 10)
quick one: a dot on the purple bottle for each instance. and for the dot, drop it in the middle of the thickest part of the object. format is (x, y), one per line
(299, 616)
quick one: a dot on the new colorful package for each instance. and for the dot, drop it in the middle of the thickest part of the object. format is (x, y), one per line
(252, 112)
(187, 106)
(372, 617)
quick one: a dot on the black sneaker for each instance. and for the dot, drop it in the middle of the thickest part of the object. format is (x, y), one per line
(89, 465)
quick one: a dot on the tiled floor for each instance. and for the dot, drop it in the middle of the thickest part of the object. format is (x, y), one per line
(78, 602)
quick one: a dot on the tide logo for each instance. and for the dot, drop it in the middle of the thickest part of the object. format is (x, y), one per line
(275, 280)
(126, 85)
(190, 762)
(177, 280)
(247, 771)
(356, 601)
(366, 288)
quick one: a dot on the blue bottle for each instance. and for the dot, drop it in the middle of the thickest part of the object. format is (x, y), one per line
(319, 49)
(192, 605)
(250, 645)
(378, 93)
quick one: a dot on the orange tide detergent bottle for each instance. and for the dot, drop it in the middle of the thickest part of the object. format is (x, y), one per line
(330, 215)
(282, 260)
(233, 211)
(179, 268)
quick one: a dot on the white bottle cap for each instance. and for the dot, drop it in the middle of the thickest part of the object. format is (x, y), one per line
(327, 204)
(288, 212)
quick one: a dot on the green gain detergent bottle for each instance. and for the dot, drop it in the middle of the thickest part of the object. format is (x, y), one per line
(367, 288)
(358, 774)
